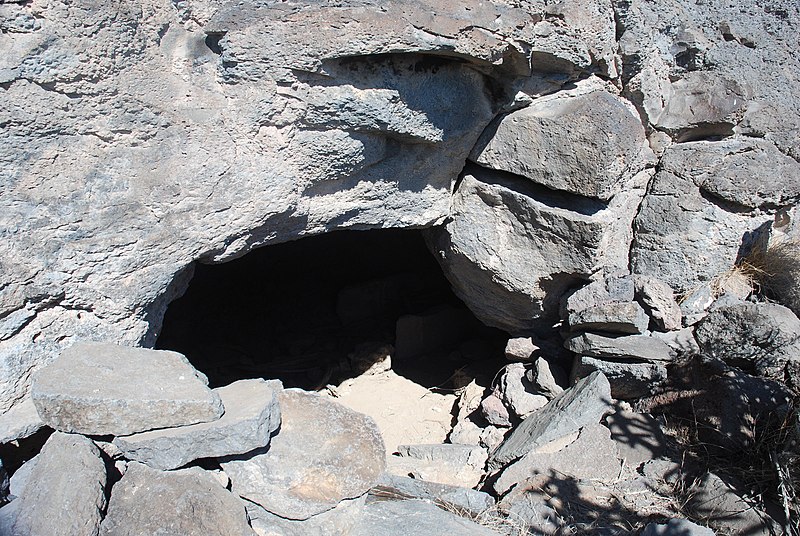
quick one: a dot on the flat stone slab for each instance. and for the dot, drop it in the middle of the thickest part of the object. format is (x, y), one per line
(625, 317)
(592, 456)
(106, 389)
(629, 380)
(628, 347)
(584, 403)
(251, 415)
(323, 453)
(414, 518)
(65, 491)
(188, 501)
(338, 521)
(454, 497)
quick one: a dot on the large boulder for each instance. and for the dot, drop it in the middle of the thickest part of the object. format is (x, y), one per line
(106, 389)
(708, 206)
(65, 491)
(324, 453)
(188, 501)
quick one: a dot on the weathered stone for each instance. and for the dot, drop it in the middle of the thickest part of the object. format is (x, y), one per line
(638, 437)
(547, 378)
(455, 455)
(707, 206)
(188, 501)
(21, 422)
(469, 400)
(454, 497)
(628, 347)
(517, 392)
(105, 389)
(765, 336)
(681, 341)
(627, 317)
(592, 456)
(673, 527)
(603, 146)
(716, 502)
(323, 453)
(21, 477)
(584, 403)
(338, 521)
(659, 301)
(695, 304)
(465, 432)
(4, 484)
(612, 289)
(512, 248)
(440, 471)
(520, 349)
(251, 415)
(700, 105)
(8, 514)
(414, 518)
(538, 517)
(494, 411)
(65, 491)
(628, 380)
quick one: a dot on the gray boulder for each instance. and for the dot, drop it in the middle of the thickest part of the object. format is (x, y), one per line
(760, 336)
(584, 403)
(707, 207)
(251, 415)
(65, 491)
(605, 291)
(713, 500)
(494, 411)
(638, 437)
(628, 381)
(106, 389)
(626, 318)
(188, 501)
(520, 349)
(414, 518)
(21, 476)
(324, 453)
(627, 347)
(603, 146)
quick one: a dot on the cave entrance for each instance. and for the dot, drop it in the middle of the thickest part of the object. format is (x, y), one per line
(316, 311)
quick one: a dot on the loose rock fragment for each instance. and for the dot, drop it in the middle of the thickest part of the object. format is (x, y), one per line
(628, 380)
(323, 453)
(628, 347)
(626, 317)
(251, 415)
(106, 389)
(414, 518)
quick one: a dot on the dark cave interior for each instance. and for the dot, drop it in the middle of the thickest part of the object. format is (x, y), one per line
(305, 311)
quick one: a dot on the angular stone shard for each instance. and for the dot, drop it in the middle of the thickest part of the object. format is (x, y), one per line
(324, 453)
(188, 501)
(592, 456)
(584, 403)
(414, 518)
(626, 317)
(251, 415)
(518, 392)
(65, 491)
(106, 389)
(628, 347)
(338, 521)
(606, 291)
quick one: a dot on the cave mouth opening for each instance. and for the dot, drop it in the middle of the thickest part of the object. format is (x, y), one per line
(322, 309)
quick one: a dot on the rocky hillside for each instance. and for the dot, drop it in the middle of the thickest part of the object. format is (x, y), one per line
(612, 184)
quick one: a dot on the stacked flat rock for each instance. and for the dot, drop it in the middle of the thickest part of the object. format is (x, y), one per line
(252, 415)
(106, 389)
(610, 322)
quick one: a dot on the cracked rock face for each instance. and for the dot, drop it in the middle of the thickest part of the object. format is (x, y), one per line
(143, 137)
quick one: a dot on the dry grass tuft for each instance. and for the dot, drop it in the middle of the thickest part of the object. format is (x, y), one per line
(775, 270)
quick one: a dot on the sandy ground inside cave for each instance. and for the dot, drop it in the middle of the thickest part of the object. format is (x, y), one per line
(405, 412)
